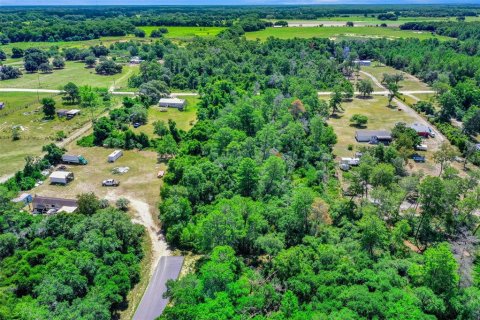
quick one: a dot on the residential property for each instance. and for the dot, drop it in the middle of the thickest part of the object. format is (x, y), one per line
(2, 105)
(363, 63)
(172, 103)
(421, 129)
(373, 136)
(61, 177)
(24, 198)
(53, 205)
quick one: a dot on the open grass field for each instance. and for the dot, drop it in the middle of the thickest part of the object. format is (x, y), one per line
(73, 72)
(409, 83)
(339, 33)
(185, 33)
(23, 109)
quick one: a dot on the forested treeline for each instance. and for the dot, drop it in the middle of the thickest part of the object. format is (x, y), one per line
(459, 30)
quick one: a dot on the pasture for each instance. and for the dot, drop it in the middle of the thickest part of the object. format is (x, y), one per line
(409, 83)
(341, 32)
(75, 72)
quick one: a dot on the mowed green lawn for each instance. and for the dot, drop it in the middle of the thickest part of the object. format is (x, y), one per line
(379, 117)
(339, 32)
(23, 109)
(73, 72)
(185, 32)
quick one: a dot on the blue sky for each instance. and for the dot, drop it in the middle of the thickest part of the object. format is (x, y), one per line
(220, 2)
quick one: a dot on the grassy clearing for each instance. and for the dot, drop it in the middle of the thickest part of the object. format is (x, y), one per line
(184, 119)
(409, 83)
(360, 20)
(339, 32)
(73, 72)
(23, 109)
(184, 33)
(379, 117)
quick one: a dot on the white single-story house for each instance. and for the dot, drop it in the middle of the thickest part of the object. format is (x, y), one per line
(172, 103)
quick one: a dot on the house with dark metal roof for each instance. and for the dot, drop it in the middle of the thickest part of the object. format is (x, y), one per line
(373, 136)
(48, 204)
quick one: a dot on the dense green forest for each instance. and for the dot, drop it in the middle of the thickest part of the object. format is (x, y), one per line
(67, 266)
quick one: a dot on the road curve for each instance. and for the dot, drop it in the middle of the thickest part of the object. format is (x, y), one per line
(153, 303)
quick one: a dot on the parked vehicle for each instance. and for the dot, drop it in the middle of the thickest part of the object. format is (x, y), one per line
(110, 183)
(418, 158)
(137, 124)
(421, 147)
(344, 166)
(160, 174)
(112, 157)
(70, 158)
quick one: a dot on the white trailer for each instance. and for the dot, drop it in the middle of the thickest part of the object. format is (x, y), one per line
(115, 155)
(61, 177)
(350, 161)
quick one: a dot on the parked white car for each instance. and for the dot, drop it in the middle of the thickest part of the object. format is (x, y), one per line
(421, 147)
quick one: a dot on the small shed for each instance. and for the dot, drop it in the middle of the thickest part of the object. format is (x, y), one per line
(72, 113)
(2, 105)
(24, 198)
(45, 204)
(172, 103)
(136, 60)
(61, 177)
(373, 136)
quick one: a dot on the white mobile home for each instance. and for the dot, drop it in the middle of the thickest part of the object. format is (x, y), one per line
(172, 103)
(112, 157)
(61, 177)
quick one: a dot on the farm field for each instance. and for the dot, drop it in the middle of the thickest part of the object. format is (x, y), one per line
(183, 33)
(339, 32)
(23, 109)
(73, 72)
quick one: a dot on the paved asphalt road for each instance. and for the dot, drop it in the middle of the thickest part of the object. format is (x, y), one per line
(153, 303)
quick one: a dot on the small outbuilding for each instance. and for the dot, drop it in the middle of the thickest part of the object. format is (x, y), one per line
(373, 136)
(136, 60)
(24, 198)
(172, 103)
(72, 113)
(363, 63)
(53, 205)
(421, 129)
(61, 177)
